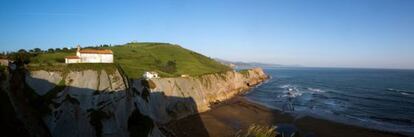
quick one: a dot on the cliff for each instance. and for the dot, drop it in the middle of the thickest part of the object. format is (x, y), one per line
(203, 90)
(103, 103)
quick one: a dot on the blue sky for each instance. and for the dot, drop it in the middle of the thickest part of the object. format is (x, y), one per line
(329, 33)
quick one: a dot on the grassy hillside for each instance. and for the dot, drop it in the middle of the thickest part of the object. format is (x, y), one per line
(136, 58)
(52, 58)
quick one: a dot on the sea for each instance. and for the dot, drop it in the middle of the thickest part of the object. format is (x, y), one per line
(380, 99)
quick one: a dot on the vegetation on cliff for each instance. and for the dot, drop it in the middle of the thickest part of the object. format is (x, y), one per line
(134, 58)
(258, 131)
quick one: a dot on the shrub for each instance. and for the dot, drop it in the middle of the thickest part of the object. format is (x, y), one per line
(21, 57)
(258, 131)
(170, 67)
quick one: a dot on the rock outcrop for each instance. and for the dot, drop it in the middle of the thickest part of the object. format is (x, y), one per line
(101, 103)
(203, 90)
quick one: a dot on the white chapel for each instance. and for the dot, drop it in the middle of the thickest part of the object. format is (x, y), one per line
(91, 56)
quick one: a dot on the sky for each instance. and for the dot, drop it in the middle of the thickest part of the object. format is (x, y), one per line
(315, 33)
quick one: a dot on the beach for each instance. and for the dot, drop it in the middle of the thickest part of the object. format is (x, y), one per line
(237, 114)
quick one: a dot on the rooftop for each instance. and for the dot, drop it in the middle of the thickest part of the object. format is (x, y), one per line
(72, 57)
(96, 51)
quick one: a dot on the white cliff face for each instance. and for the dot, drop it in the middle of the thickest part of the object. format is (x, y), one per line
(191, 95)
(43, 81)
(93, 103)
(84, 93)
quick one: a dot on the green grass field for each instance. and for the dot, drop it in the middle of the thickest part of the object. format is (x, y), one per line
(51, 58)
(136, 58)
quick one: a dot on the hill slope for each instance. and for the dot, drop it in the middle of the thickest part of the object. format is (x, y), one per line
(135, 58)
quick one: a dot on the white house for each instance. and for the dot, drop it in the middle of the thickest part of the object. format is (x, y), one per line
(150, 75)
(91, 56)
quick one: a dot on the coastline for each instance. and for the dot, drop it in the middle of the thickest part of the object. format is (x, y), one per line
(237, 114)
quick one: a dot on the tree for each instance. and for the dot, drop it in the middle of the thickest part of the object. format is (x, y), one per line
(21, 57)
(37, 50)
(65, 49)
(22, 51)
(57, 50)
(50, 50)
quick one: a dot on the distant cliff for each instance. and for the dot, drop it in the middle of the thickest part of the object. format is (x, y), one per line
(107, 103)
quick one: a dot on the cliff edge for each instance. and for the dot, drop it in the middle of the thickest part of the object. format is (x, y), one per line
(106, 103)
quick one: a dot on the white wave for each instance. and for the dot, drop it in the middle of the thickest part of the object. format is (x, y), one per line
(286, 86)
(402, 92)
(291, 91)
(396, 90)
(316, 90)
(292, 94)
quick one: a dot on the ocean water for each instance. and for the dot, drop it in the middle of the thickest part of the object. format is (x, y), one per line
(373, 98)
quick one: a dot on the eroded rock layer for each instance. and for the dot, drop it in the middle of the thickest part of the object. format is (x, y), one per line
(105, 104)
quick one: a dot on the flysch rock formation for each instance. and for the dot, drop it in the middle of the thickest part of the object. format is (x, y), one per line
(196, 94)
(92, 103)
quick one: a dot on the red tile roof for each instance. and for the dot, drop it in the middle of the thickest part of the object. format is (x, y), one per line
(96, 51)
(72, 57)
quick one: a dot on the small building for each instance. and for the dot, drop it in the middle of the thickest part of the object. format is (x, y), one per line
(72, 59)
(91, 56)
(185, 75)
(150, 75)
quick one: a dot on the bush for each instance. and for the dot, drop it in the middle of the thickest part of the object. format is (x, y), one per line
(170, 67)
(259, 131)
(21, 57)
(2, 68)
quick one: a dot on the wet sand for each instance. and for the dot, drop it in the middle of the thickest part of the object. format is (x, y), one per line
(230, 117)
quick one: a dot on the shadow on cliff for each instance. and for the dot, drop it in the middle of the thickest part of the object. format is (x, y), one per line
(170, 110)
(33, 108)
(175, 109)
(10, 124)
